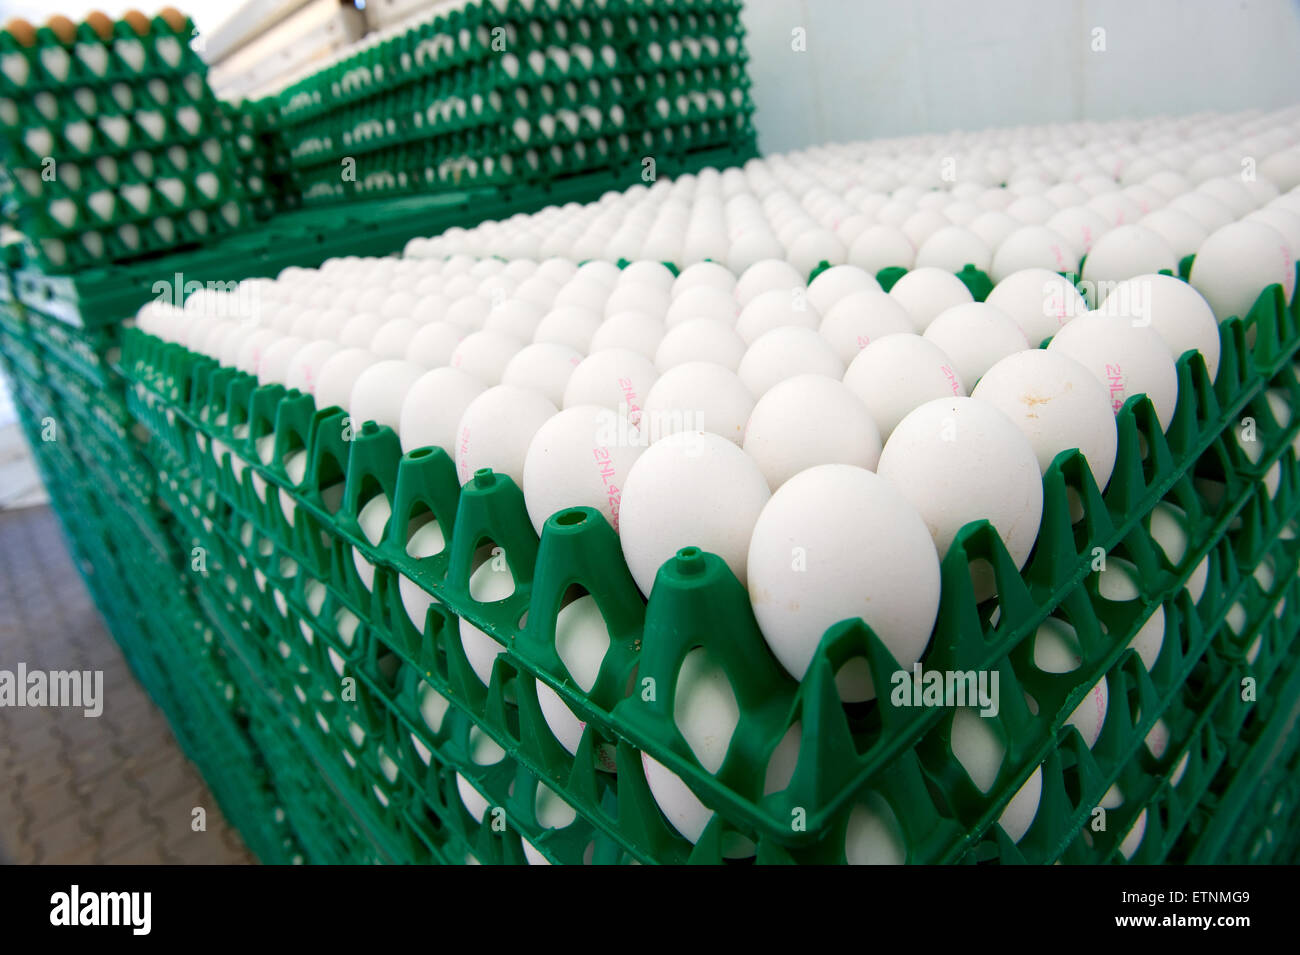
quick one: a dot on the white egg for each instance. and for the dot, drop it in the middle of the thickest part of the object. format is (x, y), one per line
(496, 430)
(1208, 211)
(814, 247)
(485, 355)
(1039, 301)
(809, 420)
(1032, 210)
(880, 247)
(613, 378)
(926, 292)
(767, 276)
(491, 582)
(1118, 582)
(1080, 226)
(428, 308)
(703, 301)
(250, 350)
(397, 305)
(1127, 359)
(952, 248)
(1283, 220)
(516, 318)
(1116, 208)
(697, 396)
(834, 284)
(601, 273)
(704, 274)
(544, 367)
(873, 835)
(637, 297)
(706, 712)
(306, 364)
(1000, 480)
(1057, 650)
(578, 458)
(380, 391)
(978, 747)
(897, 373)
(1033, 247)
(1237, 262)
(570, 325)
(433, 408)
(433, 344)
(1157, 742)
(980, 750)
(859, 318)
(1168, 525)
(774, 309)
(631, 330)
(273, 368)
(694, 489)
(469, 312)
(392, 338)
(1174, 310)
(1133, 838)
(700, 339)
(373, 519)
(338, 374)
(976, 336)
(360, 330)
(426, 541)
(808, 571)
(1057, 404)
(783, 353)
(993, 226)
(581, 642)
(1122, 253)
(1021, 809)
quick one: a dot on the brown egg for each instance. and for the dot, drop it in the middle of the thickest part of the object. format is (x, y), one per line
(21, 30)
(101, 24)
(63, 28)
(175, 19)
(138, 21)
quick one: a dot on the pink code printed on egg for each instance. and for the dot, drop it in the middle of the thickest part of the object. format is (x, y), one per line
(464, 452)
(613, 495)
(952, 379)
(1115, 378)
(629, 393)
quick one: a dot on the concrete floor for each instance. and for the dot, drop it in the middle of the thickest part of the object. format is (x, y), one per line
(20, 483)
(111, 789)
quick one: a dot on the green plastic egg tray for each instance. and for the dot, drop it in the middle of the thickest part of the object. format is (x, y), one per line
(125, 546)
(205, 418)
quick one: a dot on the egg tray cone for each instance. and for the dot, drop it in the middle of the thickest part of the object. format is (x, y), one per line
(903, 753)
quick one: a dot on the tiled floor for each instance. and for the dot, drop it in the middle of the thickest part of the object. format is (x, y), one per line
(112, 789)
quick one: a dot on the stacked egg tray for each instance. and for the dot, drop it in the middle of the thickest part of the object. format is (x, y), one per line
(433, 765)
(502, 93)
(262, 165)
(112, 143)
(72, 407)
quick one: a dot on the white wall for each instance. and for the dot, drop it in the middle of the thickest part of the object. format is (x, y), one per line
(878, 68)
